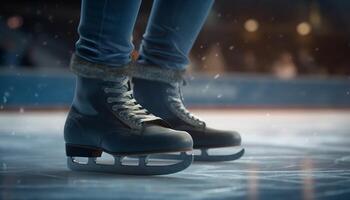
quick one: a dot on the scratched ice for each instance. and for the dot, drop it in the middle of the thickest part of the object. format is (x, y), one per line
(289, 155)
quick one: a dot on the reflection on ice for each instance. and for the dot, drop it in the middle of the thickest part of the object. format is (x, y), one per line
(288, 155)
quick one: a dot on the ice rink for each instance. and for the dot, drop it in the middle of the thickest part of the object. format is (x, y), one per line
(290, 154)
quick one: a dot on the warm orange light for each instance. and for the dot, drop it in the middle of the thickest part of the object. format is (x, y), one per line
(14, 22)
(304, 28)
(251, 25)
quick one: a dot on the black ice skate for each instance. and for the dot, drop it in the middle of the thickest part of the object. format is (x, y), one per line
(158, 90)
(104, 117)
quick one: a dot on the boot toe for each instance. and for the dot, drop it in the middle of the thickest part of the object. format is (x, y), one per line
(212, 138)
(166, 138)
(153, 139)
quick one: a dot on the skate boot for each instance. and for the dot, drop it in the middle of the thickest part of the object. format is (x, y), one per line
(104, 117)
(158, 90)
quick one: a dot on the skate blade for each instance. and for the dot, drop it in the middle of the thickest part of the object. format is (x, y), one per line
(204, 156)
(135, 165)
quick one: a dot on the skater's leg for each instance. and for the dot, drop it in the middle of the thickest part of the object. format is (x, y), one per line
(105, 31)
(171, 31)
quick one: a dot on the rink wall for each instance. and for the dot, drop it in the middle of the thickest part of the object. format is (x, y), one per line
(55, 90)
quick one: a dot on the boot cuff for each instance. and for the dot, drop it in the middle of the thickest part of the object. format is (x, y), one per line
(88, 69)
(155, 73)
(84, 68)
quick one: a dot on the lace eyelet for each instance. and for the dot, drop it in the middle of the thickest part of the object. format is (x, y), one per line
(122, 114)
(109, 100)
(169, 99)
(115, 108)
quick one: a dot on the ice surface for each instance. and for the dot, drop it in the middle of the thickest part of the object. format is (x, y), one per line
(289, 155)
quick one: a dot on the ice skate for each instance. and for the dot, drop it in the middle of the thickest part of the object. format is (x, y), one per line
(158, 90)
(104, 117)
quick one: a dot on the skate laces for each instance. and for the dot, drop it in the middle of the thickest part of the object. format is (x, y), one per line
(176, 101)
(125, 105)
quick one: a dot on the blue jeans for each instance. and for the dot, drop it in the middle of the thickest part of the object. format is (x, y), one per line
(106, 26)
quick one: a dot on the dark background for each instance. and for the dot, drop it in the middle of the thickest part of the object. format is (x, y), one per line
(41, 35)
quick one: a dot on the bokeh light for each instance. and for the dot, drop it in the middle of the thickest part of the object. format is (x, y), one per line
(14, 22)
(251, 25)
(304, 28)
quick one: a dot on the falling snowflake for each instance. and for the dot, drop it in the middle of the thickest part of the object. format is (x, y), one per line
(5, 97)
(4, 166)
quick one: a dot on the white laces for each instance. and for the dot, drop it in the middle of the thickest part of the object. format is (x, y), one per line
(176, 101)
(125, 105)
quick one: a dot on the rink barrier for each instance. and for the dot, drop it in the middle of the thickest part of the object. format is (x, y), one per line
(52, 90)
